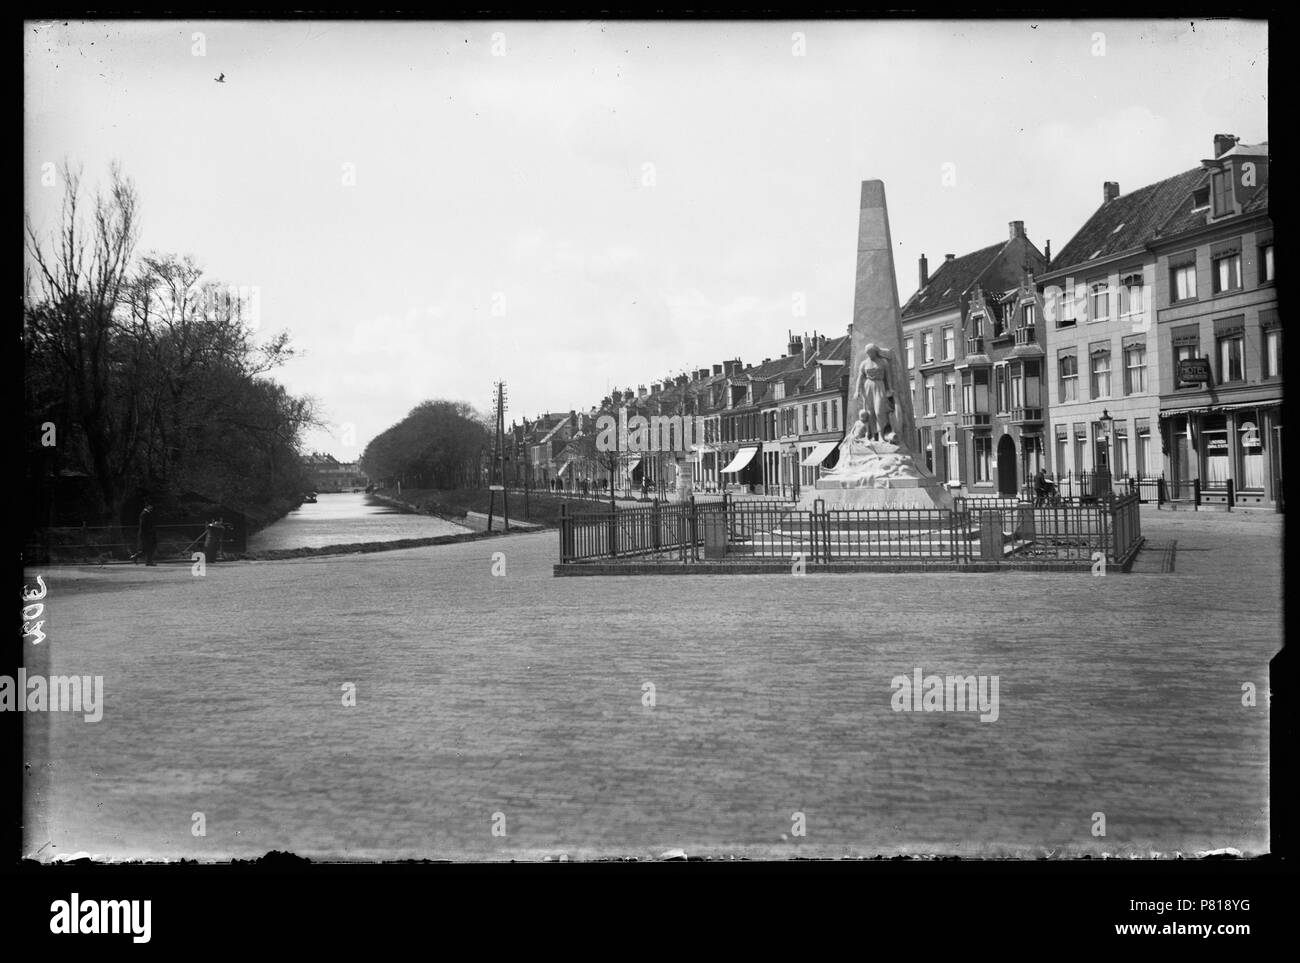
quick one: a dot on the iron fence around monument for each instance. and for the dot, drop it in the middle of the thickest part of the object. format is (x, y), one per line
(984, 530)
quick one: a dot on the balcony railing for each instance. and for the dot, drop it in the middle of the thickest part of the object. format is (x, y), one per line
(975, 345)
(1026, 335)
(975, 419)
(1020, 416)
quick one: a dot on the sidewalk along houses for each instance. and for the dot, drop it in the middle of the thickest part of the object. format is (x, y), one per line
(960, 352)
(1097, 304)
(1220, 395)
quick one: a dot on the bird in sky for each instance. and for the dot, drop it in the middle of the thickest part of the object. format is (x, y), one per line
(221, 79)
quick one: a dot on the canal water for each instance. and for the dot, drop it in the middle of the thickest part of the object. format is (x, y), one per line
(345, 518)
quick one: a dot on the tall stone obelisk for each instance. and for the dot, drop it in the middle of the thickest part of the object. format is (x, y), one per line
(877, 473)
(876, 315)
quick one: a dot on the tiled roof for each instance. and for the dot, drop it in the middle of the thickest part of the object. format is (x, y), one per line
(951, 280)
(1257, 203)
(837, 350)
(1129, 221)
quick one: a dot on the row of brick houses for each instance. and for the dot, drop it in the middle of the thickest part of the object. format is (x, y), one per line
(1148, 348)
(766, 428)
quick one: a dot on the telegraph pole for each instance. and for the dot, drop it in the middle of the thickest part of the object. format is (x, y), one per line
(497, 473)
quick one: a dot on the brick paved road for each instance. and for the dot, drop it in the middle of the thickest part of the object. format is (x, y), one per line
(522, 696)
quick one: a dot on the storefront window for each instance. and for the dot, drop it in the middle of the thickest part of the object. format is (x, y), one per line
(1250, 451)
(1214, 451)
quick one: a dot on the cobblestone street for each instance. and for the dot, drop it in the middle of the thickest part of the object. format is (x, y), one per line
(522, 696)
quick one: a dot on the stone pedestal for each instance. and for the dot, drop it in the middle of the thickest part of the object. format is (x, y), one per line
(877, 475)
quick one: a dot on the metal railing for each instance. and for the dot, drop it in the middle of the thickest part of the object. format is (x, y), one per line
(110, 541)
(989, 529)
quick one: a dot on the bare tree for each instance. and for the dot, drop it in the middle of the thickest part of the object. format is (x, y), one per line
(79, 282)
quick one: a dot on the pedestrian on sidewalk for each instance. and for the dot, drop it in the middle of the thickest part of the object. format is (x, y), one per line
(148, 535)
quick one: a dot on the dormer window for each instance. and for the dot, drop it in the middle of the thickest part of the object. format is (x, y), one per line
(1221, 189)
(1201, 199)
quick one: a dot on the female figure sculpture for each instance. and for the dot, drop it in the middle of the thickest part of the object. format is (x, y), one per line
(876, 386)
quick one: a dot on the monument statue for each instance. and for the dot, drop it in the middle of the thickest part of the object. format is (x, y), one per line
(876, 384)
(876, 466)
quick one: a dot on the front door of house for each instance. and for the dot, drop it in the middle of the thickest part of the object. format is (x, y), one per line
(1007, 466)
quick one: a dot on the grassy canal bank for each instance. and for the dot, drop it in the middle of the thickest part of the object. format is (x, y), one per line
(540, 508)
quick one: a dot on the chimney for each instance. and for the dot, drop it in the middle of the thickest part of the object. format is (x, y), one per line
(1109, 191)
(1017, 229)
(795, 346)
(949, 257)
(924, 272)
(641, 391)
(1224, 143)
(1047, 252)
(717, 369)
(682, 379)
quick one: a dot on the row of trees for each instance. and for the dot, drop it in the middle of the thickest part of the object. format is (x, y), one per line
(440, 444)
(143, 374)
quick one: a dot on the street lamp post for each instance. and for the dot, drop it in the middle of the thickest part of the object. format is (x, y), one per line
(1106, 422)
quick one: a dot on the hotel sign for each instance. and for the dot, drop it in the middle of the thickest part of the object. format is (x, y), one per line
(1194, 370)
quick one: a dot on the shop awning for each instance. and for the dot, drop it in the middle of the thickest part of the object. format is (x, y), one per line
(818, 454)
(565, 467)
(741, 460)
(631, 465)
(1213, 409)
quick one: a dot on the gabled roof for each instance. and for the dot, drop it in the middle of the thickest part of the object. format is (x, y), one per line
(762, 376)
(1129, 221)
(836, 350)
(951, 280)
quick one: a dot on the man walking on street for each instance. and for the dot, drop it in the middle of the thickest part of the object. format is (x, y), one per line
(148, 534)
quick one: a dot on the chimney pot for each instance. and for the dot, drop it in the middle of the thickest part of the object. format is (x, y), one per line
(1110, 191)
(1047, 252)
(1224, 143)
(924, 271)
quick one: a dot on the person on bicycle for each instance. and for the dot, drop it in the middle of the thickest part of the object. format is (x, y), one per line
(1042, 487)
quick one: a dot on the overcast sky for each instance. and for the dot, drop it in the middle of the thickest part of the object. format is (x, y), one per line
(578, 206)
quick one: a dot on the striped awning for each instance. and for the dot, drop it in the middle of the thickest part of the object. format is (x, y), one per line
(741, 460)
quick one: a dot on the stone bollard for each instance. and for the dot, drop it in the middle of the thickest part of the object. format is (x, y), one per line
(1024, 523)
(990, 536)
(715, 534)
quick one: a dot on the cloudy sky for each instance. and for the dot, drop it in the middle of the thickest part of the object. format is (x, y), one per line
(578, 206)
